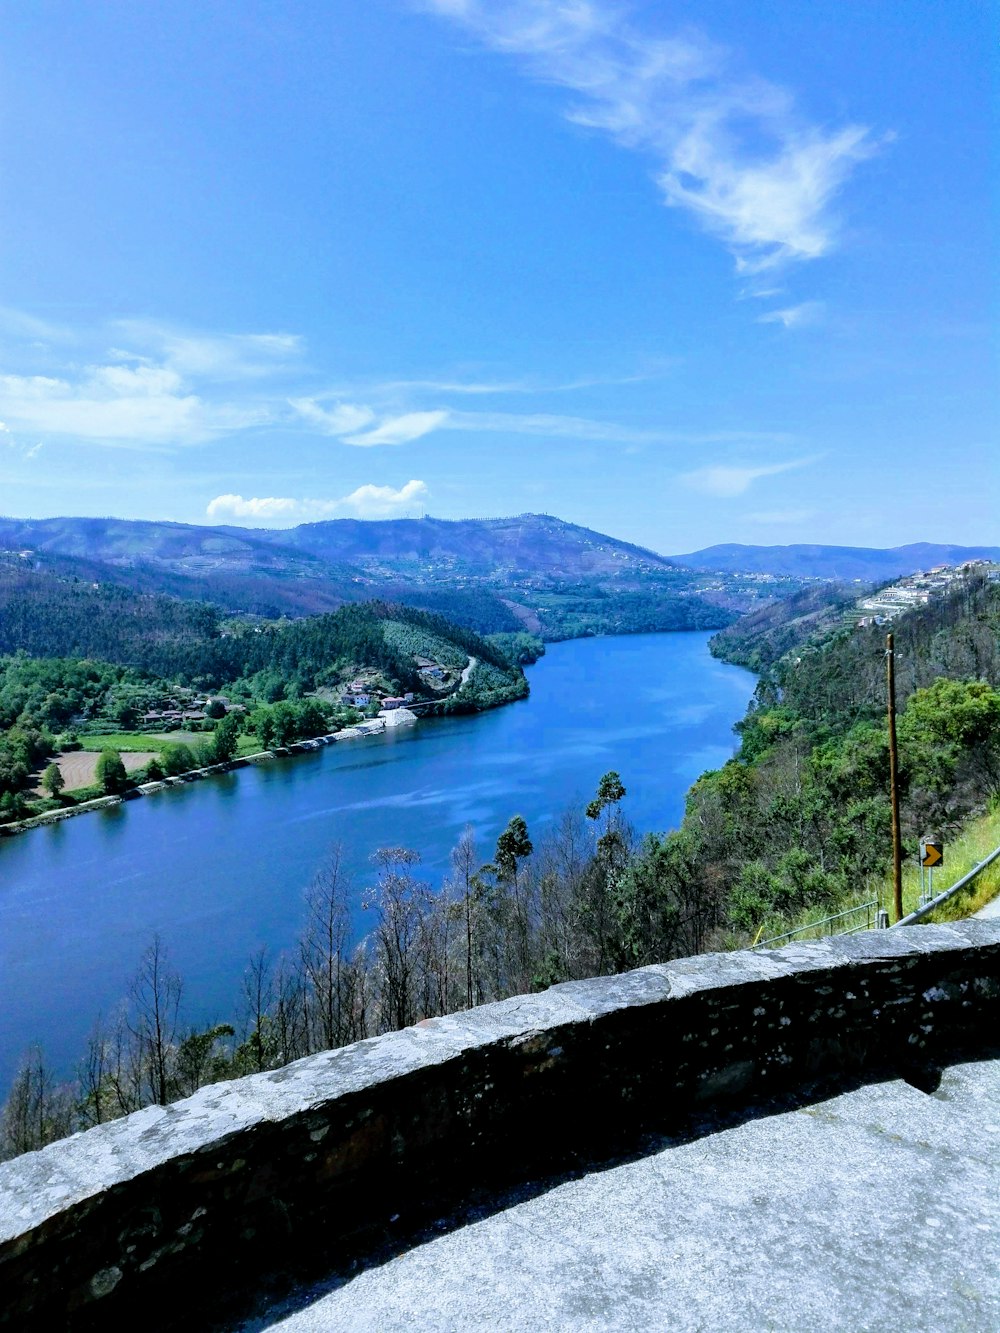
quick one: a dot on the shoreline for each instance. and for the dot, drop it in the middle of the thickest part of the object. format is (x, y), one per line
(373, 727)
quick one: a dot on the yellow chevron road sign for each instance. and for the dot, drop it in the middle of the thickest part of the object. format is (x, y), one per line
(931, 853)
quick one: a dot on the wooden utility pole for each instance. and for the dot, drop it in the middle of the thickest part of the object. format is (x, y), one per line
(897, 842)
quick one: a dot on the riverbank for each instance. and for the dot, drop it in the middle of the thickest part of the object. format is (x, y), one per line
(373, 727)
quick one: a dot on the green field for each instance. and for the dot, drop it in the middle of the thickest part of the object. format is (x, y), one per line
(133, 741)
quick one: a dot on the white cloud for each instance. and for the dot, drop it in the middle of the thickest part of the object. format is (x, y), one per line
(400, 430)
(368, 501)
(726, 481)
(21, 325)
(731, 148)
(121, 406)
(382, 501)
(794, 317)
(549, 424)
(350, 422)
(342, 419)
(219, 357)
(237, 507)
(160, 389)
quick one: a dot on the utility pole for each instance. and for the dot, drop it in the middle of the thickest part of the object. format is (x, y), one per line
(897, 844)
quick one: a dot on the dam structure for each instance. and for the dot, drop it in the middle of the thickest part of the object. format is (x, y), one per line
(798, 1138)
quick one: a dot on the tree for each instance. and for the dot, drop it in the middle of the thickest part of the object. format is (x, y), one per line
(225, 740)
(37, 1112)
(399, 901)
(200, 1059)
(261, 721)
(110, 773)
(155, 995)
(215, 709)
(257, 1051)
(468, 885)
(176, 759)
(284, 719)
(53, 781)
(326, 959)
(513, 847)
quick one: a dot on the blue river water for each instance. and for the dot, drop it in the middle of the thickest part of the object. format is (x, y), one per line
(219, 867)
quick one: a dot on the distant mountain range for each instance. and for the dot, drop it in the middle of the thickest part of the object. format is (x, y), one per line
(529, 544)
(533, 570)
(871, 565)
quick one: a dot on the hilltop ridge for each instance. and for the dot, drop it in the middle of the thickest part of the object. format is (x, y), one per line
(869, 564)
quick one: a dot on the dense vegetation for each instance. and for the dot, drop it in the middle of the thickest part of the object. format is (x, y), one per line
(801, 817)
(96, 657)
(763, 636)
(580, 610)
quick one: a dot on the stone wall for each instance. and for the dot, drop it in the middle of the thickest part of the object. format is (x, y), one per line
(344, 1154)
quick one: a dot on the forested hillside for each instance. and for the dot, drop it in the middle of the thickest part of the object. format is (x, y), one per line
(801, 816)
(75, 652)
(760, 638)
(533, 571)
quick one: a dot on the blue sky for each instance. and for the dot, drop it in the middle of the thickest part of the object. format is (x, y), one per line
(683, 272)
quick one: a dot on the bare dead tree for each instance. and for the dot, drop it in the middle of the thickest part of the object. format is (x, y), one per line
(291, 1016)
(155, 995)
(464, 860)
(96, 1094)
(325, 953)
(258, 1039)
(398, 901)
(37, 1111)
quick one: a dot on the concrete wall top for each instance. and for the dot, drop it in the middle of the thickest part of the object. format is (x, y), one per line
(403, 1110)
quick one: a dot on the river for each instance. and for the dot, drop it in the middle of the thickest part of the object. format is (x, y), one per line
(218, 868)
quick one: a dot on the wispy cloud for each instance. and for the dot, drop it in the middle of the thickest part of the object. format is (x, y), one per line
(219, 357)
(119, 405)
(400, 430)
(10, 442)
(368, 501)
(730, 147)
(728, 481)
(152, 387)
(794, 317)
(19, 324)
(354, 423)
(526, 386)
(342, 420)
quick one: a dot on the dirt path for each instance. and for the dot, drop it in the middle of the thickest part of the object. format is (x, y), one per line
(467, 672)
(79, 767)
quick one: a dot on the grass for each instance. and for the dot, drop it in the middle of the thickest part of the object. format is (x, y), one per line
(152, 741)
(975, 842)
(132, 741)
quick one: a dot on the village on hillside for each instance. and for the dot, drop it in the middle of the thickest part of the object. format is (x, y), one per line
(918, 590)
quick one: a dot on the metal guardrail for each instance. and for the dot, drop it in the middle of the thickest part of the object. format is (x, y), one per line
(947, 893)
(870, 909)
